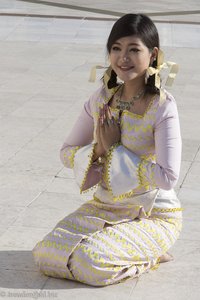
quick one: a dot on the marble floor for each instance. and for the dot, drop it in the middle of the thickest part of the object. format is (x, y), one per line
(46, 54)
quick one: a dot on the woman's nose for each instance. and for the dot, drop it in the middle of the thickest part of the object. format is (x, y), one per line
(125, 57)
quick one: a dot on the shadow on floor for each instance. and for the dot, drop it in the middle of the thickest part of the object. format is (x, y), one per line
(18, 271)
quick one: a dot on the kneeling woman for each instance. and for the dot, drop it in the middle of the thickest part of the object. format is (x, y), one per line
(126, 143)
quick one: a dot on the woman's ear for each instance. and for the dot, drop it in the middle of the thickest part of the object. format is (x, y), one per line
(154, 55)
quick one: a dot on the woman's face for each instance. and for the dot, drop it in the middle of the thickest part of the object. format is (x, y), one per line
(130, 58)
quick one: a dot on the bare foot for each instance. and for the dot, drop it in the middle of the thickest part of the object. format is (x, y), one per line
(165, 258)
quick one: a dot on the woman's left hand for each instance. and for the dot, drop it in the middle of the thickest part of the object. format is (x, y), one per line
(109, 130)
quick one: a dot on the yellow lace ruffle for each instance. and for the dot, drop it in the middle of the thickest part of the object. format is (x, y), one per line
(90, 156)
(165, 210)
(142, 174)
(72, 155)
(106, 172)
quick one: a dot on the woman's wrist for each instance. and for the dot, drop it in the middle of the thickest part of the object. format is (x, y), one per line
(97, 152)
(113, 146)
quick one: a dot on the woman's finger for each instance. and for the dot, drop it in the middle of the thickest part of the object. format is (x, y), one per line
(109, 113)
(101, 116)
(108, 121)
(104, 112)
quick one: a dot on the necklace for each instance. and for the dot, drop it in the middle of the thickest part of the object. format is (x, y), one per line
(126, 105)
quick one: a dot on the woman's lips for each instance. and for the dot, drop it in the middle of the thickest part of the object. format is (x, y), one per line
(125, 68)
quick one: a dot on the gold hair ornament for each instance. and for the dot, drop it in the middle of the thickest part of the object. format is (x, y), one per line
(173, 70)
(163, 65)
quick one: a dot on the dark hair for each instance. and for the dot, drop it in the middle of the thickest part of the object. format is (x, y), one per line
(143, 27)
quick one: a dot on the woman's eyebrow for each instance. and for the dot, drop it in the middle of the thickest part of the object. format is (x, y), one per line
(131, 44)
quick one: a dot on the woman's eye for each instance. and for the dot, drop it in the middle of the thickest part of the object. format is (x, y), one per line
(134, 50)
(115, 48)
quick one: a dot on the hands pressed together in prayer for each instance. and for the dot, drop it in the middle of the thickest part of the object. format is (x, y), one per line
(107, 132)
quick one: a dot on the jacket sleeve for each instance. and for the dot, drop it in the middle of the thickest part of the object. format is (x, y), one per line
(77, 150)
(168, 147)
(125, 171)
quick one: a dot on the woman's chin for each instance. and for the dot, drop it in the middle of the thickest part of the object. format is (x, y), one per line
(127, 78)
(130, 77)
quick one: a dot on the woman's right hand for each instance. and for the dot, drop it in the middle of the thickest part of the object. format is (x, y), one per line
(110, 132)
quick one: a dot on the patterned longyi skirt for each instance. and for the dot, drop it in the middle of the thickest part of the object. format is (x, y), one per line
(101, 247)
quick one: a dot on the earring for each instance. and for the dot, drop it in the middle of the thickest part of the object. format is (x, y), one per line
(152, 61)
